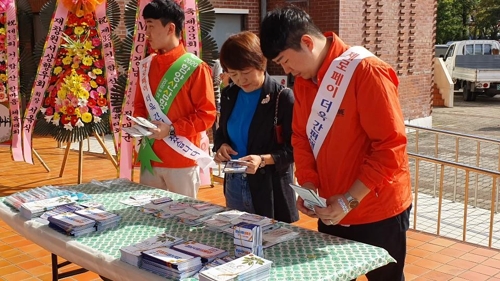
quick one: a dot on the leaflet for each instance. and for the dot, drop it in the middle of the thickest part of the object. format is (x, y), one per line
(310, 197)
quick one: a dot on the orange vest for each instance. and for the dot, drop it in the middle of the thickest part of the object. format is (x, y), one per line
(192, 111)
(367, 140)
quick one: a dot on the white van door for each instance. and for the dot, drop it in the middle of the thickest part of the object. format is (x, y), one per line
(449, 59)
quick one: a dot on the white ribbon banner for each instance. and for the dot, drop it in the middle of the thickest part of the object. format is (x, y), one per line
(330, 94)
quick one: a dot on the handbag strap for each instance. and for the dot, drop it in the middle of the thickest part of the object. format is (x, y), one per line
(276, 110)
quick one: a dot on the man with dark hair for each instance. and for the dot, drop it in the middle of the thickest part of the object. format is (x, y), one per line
(176, 91)
(348, 137)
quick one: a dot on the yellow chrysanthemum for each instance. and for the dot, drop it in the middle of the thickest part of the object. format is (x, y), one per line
(63, 109)
(86, 117)
(57, 70)
(97, 71)
(2, 31)
(83, 94)
(77, 112)
(79, 30)
(3, 77)
(88, 61)
(61, 94)
(93, 84)
(56, 116)
(75, 65)
(67, 60)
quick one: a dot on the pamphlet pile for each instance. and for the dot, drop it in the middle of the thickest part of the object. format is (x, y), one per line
(156, 205)
(197, 213)
(72, 224)
(34, 209)
(17, 199)
(265, 223)
(214, 263)
(170, 263)
(104, 219)
(205, 252)
(70, 208)
(172, 209)
(132, 254)
(276, 236)
(247, 239)
(249, 267)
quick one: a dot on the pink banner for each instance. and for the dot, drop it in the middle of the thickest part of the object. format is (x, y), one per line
(191, 27)
(138, 51)
(108, 54)
(13, 82)
(43, 76)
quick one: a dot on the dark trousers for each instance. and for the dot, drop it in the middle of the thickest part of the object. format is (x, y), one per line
(389, 234)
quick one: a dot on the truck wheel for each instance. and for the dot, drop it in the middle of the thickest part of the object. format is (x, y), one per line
(468, 94)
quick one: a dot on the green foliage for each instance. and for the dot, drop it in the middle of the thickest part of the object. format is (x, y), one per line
(464, 19)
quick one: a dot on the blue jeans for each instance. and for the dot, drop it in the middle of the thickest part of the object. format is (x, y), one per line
(237, 193)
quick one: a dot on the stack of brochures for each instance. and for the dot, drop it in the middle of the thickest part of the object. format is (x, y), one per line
(34, 209)
(229, 215)
(247, 239)
(214, 263)
(276, 236)
(156, 205)
(192, 220)
(36, 194)
(264, 222)
(172, 209)
(104, 219)
(132, 254)
(170, 263)
(71, 208)
(72, 224)
(203, 209)
(249, 267)
(205, 252)
(216, 225)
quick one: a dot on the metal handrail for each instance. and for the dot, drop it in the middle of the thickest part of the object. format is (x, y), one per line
(494, 174)
(457, 136)
(450, 133)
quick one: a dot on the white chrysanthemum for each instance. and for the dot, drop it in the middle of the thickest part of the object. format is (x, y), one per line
(68, 127)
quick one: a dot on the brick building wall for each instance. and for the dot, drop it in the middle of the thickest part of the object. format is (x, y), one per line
(388, 29)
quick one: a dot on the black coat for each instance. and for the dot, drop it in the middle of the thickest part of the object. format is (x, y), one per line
(271, 195)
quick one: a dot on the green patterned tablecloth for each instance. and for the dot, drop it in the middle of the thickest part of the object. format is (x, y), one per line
(311, 256)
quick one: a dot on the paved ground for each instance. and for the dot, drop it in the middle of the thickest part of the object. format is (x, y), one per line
(481, 117)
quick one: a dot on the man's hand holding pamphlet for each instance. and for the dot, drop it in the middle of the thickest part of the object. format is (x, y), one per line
(235, 166)
(311, 198)
(141, 127)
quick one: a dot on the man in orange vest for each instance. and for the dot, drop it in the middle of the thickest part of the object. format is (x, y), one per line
(349, 138)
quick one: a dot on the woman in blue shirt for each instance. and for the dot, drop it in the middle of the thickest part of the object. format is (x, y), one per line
(247, 132)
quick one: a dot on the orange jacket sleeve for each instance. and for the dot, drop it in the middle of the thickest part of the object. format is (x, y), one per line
(305, 162)
(201, 92)
(382, 120)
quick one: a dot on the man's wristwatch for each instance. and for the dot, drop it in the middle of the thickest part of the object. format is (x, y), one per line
(351, 201)
(172, 131)
(262, 161)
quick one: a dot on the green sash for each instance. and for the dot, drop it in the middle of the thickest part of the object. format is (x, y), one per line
(170, 85)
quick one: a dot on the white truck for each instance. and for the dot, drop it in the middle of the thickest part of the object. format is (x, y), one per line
(474, 68)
